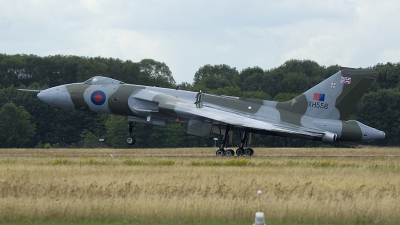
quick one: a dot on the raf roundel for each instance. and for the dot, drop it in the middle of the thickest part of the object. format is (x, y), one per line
(98, 98)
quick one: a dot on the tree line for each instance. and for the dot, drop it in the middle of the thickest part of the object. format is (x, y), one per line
(27, 122)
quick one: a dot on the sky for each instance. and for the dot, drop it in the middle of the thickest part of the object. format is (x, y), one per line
(188, 34)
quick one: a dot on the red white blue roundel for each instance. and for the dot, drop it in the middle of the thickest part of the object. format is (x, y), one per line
(98, 97)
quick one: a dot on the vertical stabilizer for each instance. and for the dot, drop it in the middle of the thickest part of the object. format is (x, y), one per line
(333, 98)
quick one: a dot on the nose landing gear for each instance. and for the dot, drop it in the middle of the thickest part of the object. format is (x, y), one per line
(130, 140)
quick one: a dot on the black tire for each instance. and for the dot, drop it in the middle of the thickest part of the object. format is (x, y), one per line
(239, 151)
(130, 140)
(252, 152)
(229, 153)
(220, 152)
(248, 152)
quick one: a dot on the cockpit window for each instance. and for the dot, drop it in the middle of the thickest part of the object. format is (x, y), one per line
(102, 80)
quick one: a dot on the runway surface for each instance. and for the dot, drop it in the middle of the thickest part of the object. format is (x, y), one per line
(363, 152)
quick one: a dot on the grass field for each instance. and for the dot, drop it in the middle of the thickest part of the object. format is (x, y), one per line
(192, 186)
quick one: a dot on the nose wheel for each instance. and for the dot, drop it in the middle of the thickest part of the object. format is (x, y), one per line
(130, 140)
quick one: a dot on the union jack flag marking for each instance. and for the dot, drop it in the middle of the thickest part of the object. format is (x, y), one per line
(345, 80)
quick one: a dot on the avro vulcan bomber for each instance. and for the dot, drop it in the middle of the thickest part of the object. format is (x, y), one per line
(318, 114)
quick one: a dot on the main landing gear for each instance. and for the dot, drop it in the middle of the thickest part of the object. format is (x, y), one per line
(244, 151)
(240, 151)
(130, 140)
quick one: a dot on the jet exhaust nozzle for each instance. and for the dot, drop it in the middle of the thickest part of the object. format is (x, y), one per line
(329, 136)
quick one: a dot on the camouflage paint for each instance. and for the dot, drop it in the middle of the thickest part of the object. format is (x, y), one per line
(292, 111)
(76, 91)
(351, 131)
(352, 93)
(238, 104)
(117, 102)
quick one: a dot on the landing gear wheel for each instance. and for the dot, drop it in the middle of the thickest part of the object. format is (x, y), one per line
(249, 151)
(229, 152)
(239, 151)
(220, 152)
(130, 140)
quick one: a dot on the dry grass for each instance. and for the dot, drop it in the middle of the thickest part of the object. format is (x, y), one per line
(146, 185)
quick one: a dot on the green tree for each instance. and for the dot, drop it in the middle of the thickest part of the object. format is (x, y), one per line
(256, 95)
(254, 82)
(301, 74)
(16, 129)
(156, 73)
(389, 75)
(381, 110)
(130, 73)
(252, 79)
(229, 91)
(217, 76)
(116, 131)
(281, 97)
(296, 82)
(89, 139)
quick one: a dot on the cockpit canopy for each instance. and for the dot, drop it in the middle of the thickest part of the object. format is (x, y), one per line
(102, 80)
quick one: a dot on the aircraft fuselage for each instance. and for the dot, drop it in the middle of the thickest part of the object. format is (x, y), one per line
(157, 105)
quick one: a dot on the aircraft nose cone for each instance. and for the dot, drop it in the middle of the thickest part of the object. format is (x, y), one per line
(46, 97)
(57, 96)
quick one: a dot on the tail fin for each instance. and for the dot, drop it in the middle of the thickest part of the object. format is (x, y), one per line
(333, 98)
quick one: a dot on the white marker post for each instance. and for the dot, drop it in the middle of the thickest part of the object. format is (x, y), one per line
(215, 140)
(259, 220)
